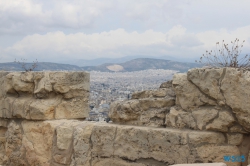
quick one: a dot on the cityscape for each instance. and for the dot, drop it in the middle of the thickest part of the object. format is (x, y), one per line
(107, 87)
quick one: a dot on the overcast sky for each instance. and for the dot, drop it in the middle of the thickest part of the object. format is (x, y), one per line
(54, 30)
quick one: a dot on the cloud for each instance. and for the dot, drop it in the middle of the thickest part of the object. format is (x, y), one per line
(89, 16)
(29, 16)
(75, 45)
(177, 41)
(186, 40)
(52, 30)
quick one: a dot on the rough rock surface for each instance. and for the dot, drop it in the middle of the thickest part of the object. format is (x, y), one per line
(167, 84)
(44, 95)
(205, 99)
(221, 89)
(226, 86)
(188, 96)
(146, 108)
(146, 111)
(72, 142)
(203, 118)
(197, 119)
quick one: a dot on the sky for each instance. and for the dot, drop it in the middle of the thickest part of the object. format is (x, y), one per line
(56, 30)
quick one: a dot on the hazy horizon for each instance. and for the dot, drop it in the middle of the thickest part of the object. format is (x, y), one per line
(65, 31)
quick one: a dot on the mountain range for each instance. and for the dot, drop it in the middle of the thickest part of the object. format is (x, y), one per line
(100, 61)
(143, 64)
(128, 66)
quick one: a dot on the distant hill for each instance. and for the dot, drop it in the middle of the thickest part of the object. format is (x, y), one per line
(100, 61)
(143, 64)
(131, 65)
(12, 66)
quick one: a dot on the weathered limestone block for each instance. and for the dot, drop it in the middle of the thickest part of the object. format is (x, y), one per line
(228, 86)
(19, 85)
(131, 143)
(70, 84)
(6, 107)
(237, 129)
(178, 118)
(125, 111)
(166, 90)
(210, 153)
(3, 129)
(204, 115)
(103, 139)
(167, 84)
(235, 88)
(38, 141)
(165, 145)
(72, 142)
(199, 138)
(21, 108)
(213, 118)
(64, 137)
(82, 144)
(159, 93)
(41, 109)
(14, 153)
(72, 108)
(2, 78)
(208, 81)
(62, 143)
(113, 162)
(44, 95)
(146, 111)
(188, 96)
(234, 138)
(153, 117)
(156, 103)
(222, 123)
(43, 85)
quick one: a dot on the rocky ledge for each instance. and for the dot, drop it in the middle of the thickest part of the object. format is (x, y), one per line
(198, 117)
(77, 143)
(44, 95)
(202, 99)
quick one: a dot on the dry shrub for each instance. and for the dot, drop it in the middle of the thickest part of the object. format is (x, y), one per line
(23, 65)
(226, 56)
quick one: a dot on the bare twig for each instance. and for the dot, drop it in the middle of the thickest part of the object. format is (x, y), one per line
(223, 56)
(23, 64)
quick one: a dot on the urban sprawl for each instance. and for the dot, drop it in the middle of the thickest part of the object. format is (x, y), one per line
(106, 87)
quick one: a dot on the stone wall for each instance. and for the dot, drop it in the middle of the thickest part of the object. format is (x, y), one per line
(205, 101)
(146, 108)
(29, 98)
(199, 117)
(44, 95)
(78, 143)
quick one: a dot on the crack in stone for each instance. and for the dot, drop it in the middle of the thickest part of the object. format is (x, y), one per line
(91, 147)
(220, 80)
(113, 153)
(211, 121)
(209, 97)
